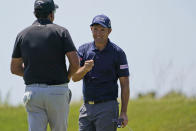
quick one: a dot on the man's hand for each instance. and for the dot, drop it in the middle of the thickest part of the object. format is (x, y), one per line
(88, 65)
(124, 116)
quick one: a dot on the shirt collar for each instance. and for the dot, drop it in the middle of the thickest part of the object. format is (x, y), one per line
(42, 22)
(93, 47)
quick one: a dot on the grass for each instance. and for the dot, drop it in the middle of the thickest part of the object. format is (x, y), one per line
(13, 118)
(163, 115)
(171, 113)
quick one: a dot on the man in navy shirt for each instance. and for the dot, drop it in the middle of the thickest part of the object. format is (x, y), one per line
(39, 57)
(102, 64)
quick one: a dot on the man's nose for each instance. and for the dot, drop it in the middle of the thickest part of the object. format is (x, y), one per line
(98, 32)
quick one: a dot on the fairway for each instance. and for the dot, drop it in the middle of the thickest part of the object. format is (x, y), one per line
(175, 113)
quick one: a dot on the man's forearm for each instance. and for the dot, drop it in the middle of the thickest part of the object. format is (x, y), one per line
(19, 71)
(17, 66)
(71, 71)
(124, 99)
(79, 74)
(73, 63)
(124, 94)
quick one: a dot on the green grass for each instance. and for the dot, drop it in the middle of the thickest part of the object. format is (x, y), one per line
(163, 115)
(13, 119)
(172, 113)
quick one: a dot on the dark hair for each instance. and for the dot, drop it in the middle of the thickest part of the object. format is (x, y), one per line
(40, 14)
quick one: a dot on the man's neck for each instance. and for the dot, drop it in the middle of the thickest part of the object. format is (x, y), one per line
(100, 46)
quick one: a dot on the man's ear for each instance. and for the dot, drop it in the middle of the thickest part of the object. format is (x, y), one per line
(51, 16)
(110, 30)
(91, 28)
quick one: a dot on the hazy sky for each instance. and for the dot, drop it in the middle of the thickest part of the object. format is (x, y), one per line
(158, 36)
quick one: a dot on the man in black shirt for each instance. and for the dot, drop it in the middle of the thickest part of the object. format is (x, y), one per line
(39, 57)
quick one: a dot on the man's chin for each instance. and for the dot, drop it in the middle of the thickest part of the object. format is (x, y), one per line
(99, 40)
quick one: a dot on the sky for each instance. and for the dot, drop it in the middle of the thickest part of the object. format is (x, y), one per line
(158, 37)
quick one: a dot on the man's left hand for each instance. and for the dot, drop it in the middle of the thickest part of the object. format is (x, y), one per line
(124, 116)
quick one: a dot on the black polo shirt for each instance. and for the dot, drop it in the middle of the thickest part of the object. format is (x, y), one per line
(109, 64)
(42, 47)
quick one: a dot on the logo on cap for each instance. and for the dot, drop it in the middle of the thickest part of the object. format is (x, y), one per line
(99, 19)
(39, 3)
(102, 20)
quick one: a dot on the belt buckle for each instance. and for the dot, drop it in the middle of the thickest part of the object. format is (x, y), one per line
(91, 102)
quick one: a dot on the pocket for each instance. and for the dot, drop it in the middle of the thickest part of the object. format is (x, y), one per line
(117, 108)
(70, 96)
(27, 97)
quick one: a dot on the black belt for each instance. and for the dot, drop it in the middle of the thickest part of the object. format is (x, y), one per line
(97, 102)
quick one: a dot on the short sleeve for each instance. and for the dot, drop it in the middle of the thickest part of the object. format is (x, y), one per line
(16, 51)
(122, 64)
(80, 53)
(68, 43)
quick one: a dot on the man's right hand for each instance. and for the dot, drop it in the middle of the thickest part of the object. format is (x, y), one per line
(88, 65)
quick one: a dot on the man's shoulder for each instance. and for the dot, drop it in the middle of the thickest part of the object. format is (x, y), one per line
(115, 47)
(86, 46)
(58, 28)
(22, 32)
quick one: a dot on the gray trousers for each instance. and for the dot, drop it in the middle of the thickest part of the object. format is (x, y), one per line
(47, 104)
(98, 117)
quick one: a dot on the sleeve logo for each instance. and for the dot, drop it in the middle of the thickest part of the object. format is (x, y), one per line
(124, 66)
